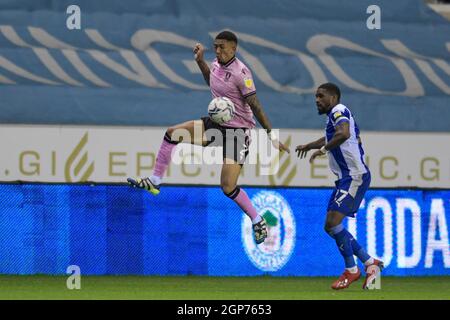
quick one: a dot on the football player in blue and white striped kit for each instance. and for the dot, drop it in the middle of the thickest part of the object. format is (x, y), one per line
(344, 148)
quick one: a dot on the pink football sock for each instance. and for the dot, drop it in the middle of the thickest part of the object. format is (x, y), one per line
(241, 198)
(164, 156)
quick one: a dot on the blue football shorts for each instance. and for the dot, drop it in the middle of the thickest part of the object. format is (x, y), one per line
(349, 192)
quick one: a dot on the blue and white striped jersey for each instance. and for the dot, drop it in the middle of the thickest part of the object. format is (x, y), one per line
(346, 159)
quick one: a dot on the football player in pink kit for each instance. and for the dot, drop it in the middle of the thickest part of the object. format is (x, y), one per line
(227, 77)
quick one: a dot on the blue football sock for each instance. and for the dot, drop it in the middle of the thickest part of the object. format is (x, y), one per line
(342, 237)
(358, 250)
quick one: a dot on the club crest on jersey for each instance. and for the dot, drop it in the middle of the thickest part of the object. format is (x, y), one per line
(276, 250)
(248, 83)
(227, 76)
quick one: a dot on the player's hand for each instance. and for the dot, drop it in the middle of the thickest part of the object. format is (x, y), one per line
(316, 154)
(278, 145)
(198, 51)
(302, 150)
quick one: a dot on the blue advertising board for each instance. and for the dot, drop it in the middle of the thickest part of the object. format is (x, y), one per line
(113, 229)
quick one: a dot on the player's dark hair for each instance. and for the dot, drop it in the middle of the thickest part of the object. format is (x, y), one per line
(332, 89)
(227, 35)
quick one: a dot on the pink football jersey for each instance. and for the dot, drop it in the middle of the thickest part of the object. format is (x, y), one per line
(234, 81)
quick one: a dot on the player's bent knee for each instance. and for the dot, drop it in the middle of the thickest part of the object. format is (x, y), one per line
(329, 230)
(169, 131)
(178, 134)
(228, 188)
(168, 136)
(330, 223)
(334, 218)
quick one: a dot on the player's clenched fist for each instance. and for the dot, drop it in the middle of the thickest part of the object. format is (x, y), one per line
(198, 51)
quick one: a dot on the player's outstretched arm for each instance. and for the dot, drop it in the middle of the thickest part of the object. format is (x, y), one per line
(260, 115)
(303, 149)
(341, 134)
(198, 56)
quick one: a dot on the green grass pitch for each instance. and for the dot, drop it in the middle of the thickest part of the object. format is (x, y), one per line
(218, 288)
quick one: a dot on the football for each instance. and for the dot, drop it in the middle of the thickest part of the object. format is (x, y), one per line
(221, 110)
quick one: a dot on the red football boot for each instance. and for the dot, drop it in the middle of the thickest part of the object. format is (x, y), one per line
(345, 280)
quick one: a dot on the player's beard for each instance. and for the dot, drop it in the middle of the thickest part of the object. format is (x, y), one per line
(224, 60)
(320, 111)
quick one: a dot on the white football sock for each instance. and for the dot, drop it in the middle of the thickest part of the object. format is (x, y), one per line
(256, 219)
(369, 261)
(353, 269)
(155, 180)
